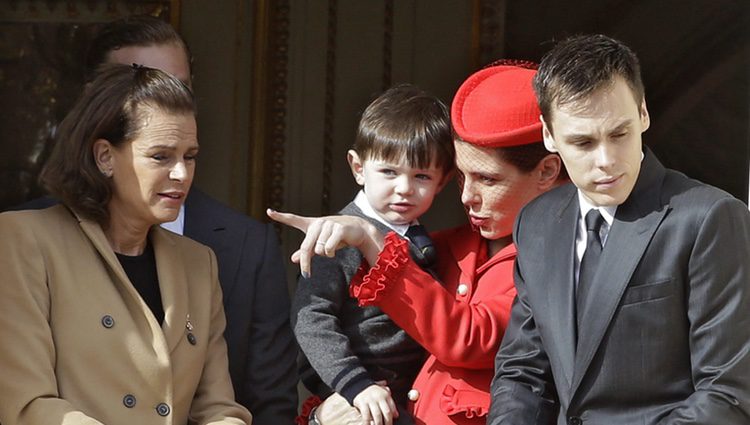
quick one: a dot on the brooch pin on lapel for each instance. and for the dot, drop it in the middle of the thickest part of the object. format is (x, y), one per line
(189, 326)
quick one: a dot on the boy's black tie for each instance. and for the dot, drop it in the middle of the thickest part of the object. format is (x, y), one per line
(418, 236)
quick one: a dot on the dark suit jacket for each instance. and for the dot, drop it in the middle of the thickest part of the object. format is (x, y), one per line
(261, 347)
(666, 336)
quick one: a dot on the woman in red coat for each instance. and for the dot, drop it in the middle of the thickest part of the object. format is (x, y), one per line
(459, 318)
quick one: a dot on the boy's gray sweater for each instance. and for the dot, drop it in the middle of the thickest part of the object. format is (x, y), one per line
(350, 347)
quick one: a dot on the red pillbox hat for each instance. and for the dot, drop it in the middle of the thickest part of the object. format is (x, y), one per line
(496, 107)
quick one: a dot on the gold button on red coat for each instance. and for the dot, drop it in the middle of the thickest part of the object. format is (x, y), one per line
(412, 395)
(462, 289)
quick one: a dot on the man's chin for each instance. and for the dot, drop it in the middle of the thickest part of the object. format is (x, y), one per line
(605, 200)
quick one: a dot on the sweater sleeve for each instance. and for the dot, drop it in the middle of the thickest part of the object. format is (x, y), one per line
(459, 334)
(317, 311)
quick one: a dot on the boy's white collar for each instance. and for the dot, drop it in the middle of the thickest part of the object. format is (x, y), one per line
(361, 201)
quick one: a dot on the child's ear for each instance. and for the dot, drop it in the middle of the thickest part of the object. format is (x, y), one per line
(548, 170)
(357, 166)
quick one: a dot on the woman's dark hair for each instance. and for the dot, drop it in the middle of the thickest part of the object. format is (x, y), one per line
(112, 107)
(527, 157)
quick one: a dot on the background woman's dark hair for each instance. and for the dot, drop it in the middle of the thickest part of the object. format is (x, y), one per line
(112, 107)
(527, 157)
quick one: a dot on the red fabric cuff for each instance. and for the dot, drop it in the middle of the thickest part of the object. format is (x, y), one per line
(304, 415)
(471, 404)
(367, 285)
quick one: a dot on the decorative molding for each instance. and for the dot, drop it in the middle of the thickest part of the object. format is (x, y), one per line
(278, 107)
(488, 32)
(86, 11)
(268, 106)
(329, 111)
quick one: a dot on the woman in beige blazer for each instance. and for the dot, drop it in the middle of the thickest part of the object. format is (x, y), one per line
(106, 318)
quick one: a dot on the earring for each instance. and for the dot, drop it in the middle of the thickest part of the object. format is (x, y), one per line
(107, 173)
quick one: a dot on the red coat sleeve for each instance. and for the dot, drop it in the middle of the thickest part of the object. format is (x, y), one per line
(458, 333)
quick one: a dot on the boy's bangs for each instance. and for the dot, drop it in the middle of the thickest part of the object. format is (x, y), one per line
(416, 152)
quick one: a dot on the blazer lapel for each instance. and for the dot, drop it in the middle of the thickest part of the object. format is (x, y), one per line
(138, 309)
(561, 296)
(173, 286)
(94, 233)
(634, 225)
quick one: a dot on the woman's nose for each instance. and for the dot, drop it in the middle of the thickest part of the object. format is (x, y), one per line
(178, 172)
(468, 195)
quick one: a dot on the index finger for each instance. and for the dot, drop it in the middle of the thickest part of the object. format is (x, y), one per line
(297, 221)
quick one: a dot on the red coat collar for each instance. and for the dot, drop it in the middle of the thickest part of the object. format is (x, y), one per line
(469, 250)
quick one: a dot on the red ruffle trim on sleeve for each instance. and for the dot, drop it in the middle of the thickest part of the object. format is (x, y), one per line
(469, 403)
(366, 285)
(304, 415)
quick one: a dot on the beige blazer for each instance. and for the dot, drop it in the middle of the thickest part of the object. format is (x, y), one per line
(79, 345)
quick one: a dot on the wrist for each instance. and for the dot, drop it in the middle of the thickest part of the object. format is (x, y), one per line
(373, 244)
(312, 418)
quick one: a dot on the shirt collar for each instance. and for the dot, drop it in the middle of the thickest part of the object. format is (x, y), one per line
(607, 212)
(363, 204)
(177, 226)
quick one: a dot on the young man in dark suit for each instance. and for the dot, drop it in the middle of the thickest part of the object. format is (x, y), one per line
(633, 282)
(261, 347)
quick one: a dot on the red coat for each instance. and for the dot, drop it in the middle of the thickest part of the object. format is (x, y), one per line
(460, 328)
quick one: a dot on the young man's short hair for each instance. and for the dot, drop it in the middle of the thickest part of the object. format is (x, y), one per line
(582, 64)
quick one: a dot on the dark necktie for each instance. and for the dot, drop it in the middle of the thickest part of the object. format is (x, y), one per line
(589, 262)
(421, 240)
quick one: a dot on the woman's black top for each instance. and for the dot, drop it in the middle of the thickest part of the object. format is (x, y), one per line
(141, 270)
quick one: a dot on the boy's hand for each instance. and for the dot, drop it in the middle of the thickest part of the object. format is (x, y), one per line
(335, 410)
(376, 405)
(325, 235)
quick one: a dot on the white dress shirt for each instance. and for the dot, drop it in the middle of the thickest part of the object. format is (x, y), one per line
(177, 226)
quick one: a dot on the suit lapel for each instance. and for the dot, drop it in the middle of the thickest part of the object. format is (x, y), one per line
(205, 225)
(173, 286)
(634, 225)
(561, 297)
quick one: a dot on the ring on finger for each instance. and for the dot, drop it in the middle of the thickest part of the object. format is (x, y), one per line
(320, 243)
